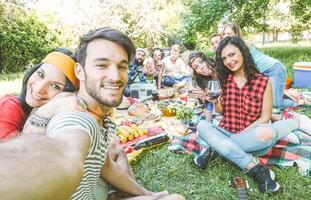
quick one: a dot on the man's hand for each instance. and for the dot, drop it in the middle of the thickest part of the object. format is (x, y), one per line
(37, 167)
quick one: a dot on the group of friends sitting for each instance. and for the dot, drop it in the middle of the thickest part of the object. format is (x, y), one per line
(59, 126)
(252, 83)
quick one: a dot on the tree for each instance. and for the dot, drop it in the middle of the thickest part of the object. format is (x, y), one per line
(24, 39)
(204, 16)
(301, 9)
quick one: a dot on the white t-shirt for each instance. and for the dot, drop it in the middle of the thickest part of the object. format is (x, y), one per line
(177, 69)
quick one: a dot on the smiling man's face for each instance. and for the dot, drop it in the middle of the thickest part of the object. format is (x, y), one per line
(106, 72)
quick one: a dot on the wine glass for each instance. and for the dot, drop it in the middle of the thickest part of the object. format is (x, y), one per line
(213, 89)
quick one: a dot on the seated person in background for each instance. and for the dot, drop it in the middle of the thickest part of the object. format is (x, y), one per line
(215, 39)
(266, 65)
(40, 84)
(153, 66)
(174, 71)
(136, 70)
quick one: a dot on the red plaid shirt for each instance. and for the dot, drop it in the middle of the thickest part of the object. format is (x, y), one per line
(242, 106)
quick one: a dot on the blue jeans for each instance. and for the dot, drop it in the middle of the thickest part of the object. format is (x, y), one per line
(170, 81)
(277, 76)
(240, 148)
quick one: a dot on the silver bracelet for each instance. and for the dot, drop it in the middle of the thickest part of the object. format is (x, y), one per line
(39, 120)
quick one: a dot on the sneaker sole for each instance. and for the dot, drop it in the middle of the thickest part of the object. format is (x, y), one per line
(272, 174)
(276, 188)
(197, 165)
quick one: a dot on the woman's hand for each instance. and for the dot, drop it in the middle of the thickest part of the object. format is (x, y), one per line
(61, 102)
(201, 94)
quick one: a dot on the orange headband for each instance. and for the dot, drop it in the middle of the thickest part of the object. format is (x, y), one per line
(65, 64)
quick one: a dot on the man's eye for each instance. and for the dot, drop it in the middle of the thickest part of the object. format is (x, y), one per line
(123, 67)
(102, 66)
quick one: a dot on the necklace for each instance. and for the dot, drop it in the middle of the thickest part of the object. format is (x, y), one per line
(84, 105)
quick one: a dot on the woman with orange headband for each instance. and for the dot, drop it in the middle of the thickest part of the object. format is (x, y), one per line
(41, 83)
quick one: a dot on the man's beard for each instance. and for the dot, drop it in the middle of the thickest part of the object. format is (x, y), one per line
(91, 90)
(139, 61)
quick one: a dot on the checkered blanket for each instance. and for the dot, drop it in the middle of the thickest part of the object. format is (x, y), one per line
(282, 154)
(287, 154)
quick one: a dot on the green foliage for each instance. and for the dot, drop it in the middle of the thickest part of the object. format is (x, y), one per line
(301, 9)
(184, 113)
(296, 31)
(23, 38)
(159, 169)
(203, 16)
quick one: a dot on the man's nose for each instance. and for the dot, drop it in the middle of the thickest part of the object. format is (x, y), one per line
(114, 73)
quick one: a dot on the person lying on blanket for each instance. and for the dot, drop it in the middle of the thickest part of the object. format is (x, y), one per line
(246, 105)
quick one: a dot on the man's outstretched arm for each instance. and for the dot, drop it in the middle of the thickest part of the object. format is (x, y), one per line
(38, 167)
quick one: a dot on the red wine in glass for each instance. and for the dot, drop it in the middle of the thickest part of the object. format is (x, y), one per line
(213, 89)
(214, 95)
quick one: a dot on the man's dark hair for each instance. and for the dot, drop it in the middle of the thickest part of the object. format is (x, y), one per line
(105, 33)
(248, 62)
(157, 49)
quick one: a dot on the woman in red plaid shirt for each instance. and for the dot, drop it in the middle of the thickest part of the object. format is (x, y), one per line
(246, 105)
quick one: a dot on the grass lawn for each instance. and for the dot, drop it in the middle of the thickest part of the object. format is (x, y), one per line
(159, 169)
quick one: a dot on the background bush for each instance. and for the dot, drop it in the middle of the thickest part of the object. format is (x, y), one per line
(24, 39)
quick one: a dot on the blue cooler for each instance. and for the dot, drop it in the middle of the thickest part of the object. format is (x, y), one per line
(302, 74)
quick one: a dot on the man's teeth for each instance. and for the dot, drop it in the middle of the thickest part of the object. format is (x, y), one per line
(113, 87)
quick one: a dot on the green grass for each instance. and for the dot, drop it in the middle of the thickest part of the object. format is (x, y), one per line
(159, 169)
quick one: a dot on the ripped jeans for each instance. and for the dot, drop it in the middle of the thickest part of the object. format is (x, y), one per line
(240, 148)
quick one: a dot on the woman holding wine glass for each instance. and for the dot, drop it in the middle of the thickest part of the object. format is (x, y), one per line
(246, 105)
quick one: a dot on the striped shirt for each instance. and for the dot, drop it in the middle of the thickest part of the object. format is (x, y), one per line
(100, 138)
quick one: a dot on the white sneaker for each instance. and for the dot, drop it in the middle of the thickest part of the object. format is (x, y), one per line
(292, 138)
(305, 124)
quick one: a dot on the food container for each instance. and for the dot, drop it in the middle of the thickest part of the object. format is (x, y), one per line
(166, 93)
(168, 112)
(302, 74)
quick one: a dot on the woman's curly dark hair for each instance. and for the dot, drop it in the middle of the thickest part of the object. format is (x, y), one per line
(249, 65)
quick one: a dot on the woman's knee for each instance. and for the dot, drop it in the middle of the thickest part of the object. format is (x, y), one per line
(203, 127)
(265, 134)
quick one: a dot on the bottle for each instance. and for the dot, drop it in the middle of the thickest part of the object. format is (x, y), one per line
(154, 91)
(208, 112)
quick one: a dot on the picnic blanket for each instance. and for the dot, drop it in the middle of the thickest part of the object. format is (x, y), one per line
(282, 154)
(286, 154)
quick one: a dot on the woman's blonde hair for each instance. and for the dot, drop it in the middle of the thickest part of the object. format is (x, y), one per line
(235, 27)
